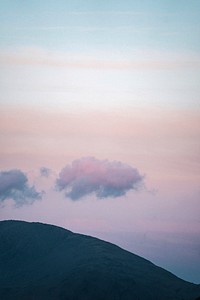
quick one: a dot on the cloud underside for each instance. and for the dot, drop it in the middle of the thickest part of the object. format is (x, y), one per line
(100, 177)
(14, 185)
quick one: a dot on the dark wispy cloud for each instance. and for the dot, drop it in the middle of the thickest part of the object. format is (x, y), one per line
(45, 172)
(102, 177)
(14, 185)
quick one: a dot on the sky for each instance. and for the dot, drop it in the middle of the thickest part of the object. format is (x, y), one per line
(99, 122)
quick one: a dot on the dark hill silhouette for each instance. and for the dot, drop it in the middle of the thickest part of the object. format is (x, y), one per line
(40, 262)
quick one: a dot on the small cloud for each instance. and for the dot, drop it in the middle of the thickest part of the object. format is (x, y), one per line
(45, 172)
(102, 177)
(14, 185)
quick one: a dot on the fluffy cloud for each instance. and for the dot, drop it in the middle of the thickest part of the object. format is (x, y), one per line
(14, 185)
(45, 172)
(104, 178)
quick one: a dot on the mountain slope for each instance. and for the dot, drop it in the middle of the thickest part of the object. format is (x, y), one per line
(39, 261)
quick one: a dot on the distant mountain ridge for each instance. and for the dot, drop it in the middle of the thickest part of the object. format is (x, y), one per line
(40, 262)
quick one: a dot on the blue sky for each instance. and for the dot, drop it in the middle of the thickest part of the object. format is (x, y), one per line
(106, 25)
(162, 37)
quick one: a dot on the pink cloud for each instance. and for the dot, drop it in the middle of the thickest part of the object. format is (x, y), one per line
(104, 178)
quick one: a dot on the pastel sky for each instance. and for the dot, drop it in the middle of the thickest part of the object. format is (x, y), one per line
(100, 122)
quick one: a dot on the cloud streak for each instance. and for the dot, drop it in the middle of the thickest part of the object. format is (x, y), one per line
(152, 61)
(103, 178)
(14, 185)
